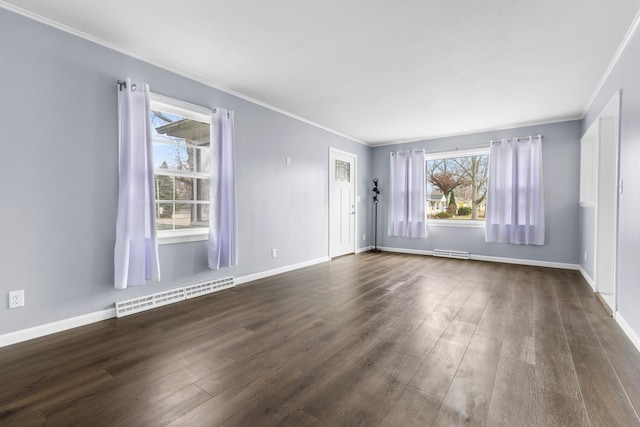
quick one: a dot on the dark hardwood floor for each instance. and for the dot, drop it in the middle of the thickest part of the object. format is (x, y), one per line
(372, 339)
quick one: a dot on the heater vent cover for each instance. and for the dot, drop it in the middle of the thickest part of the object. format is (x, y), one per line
(147, 302)
(446, 253)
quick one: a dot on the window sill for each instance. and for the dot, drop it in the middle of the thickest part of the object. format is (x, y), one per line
(456, 223)
(182, 236)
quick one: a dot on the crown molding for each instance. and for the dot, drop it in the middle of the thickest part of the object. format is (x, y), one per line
(612, 64)
(169, 67)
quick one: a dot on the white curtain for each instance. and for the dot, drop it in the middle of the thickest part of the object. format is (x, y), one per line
(515, 201)
(407, 216)
(223, 233)
(136, 249)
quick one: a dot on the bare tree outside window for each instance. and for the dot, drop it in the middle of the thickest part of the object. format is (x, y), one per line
(464, 176)
(181, 147)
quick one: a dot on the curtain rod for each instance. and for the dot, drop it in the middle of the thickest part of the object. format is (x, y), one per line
(123, 85)
(448, 150)
(518, 139)
(417, 150)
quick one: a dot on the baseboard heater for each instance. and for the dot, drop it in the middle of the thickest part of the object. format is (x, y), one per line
(446, 253)
(148, 302)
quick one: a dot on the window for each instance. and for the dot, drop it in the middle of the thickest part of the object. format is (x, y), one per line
(181, 156)
(457, 187)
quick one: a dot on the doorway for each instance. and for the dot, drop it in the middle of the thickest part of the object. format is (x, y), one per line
(342, 203)
(605, 133)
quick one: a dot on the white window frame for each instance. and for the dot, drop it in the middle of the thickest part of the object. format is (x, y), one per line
(449, 154)
(194, 112)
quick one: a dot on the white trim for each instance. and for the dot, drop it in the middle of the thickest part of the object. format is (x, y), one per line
(406, 251)
(169, 67)
(279, 270)
(355, 197)
(612, 64)
(627, 329)
(364, 249)
(54, 327)
(462, 152)
(180, 108)
(549, 121)
(168, 237)
(98, 316)
(610, 110)
(519, 261)
(589, 280)
(463, 223)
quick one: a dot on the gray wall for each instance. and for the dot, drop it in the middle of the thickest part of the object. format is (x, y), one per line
(59, 177)
(561, 157)
(625, 76)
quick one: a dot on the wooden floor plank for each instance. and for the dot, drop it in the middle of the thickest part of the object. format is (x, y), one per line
(371, 339)
(413, 408)
(468, 397)
(513, 401)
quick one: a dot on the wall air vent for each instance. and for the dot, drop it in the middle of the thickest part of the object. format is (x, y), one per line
(450, 254)
(147, 302)
(198, 289)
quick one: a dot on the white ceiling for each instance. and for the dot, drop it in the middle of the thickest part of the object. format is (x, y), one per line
(376, 71)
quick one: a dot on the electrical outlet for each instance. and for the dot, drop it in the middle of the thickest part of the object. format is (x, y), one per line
(288, 161)
(585, 255)
(273, 253)
(16, 299)
(364, 237)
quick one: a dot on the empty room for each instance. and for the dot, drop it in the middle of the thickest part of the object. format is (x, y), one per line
(320, 213)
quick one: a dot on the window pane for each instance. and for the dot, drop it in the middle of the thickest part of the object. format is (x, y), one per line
(164, 216)
(202, 212)
(203, 189)
(203, 159)
(175, 139)
(457, 187)
(343, 171)
(184, 188)
(180, 145)
(164, 187)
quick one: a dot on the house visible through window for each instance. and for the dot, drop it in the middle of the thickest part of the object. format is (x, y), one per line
(181, 155)
(457, 185)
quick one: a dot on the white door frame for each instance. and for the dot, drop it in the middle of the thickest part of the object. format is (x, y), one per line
(355, 196)
(611, 110)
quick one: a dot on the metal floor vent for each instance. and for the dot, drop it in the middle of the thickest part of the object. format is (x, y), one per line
(147, 302)
(196, 290)
(450, 254)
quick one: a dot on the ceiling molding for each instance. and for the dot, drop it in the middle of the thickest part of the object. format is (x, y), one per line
(62, 27)
(485, 130)
(612, 64)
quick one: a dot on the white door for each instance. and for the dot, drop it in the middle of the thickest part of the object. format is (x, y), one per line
(342, 206)
(606, 210)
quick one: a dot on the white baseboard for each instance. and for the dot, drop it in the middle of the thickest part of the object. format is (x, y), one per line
(406, 251)
(531, 262)
(504, 260)
(86, 319)
(635, 339)
(59, 326)
(364, 249)
(589, 280)
(280, 270)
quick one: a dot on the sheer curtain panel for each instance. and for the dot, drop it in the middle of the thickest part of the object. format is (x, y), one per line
(223, 232)
(407, 194)
(515, 201)
(136, 249)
